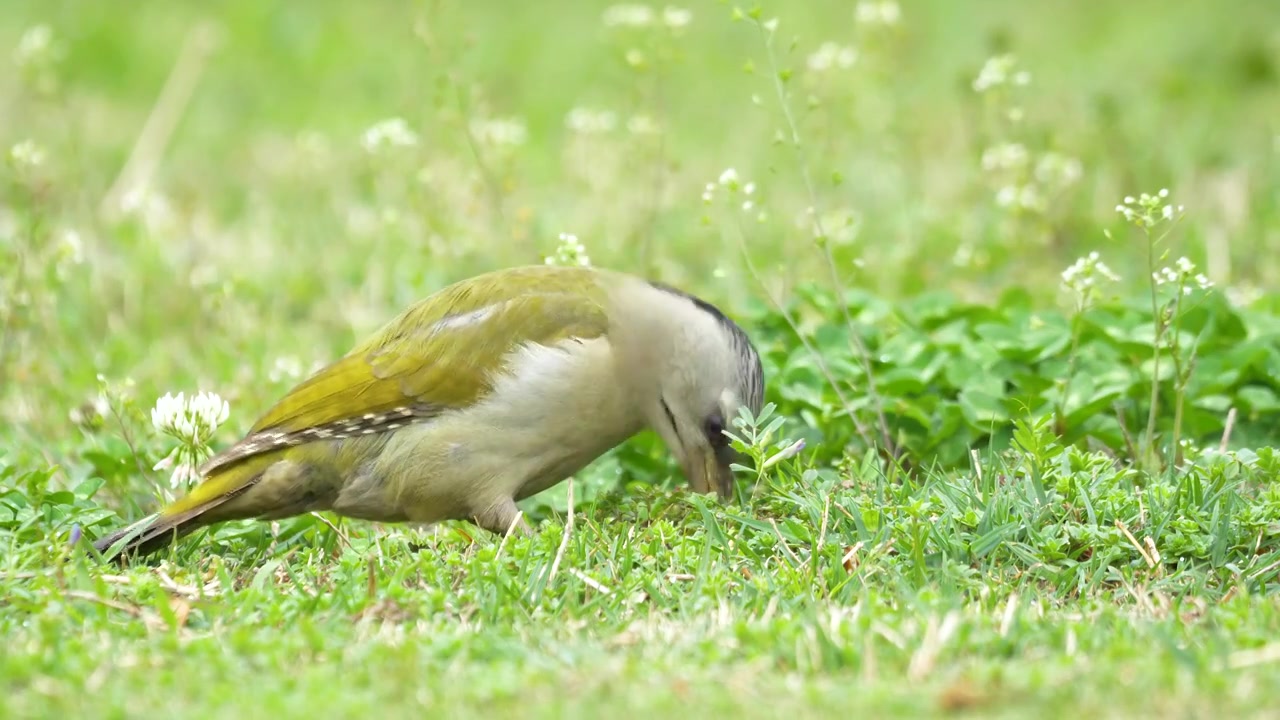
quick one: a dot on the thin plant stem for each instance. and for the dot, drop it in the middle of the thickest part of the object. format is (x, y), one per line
(1155, 363)
(860, 348)
(795, 327)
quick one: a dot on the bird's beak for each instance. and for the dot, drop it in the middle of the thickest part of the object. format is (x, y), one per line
(707, 472)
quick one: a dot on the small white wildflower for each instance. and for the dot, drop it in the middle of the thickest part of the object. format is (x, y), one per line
(676, 17)
(1029, 198)
(831, 55)
(749, 188)
(997, 71)
(628, 15)
(729, 179)
(1007, 196)
(26, 156)
(149, 207)
(642, 125)
(96, 408)
(1184, 275)
(885, 12)
(284, 368)
(588, 121)
(708, 193)
(36, 49)
(1083, 277)
(570, 252)
(1055, 169)
(747, 206)
(1147, 210)
(387, 134)
(506, 132)
(771, 25)
(1005, 156)
(839, 226)
(1243, 296)
(72, 246)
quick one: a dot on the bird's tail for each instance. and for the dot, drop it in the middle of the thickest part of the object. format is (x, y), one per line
(206, 504)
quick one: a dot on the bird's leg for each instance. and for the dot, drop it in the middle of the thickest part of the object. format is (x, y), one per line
(500, 517)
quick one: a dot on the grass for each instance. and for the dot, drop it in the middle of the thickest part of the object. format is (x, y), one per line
(990, 515)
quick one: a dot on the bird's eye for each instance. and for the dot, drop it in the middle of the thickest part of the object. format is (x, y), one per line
(714, 428)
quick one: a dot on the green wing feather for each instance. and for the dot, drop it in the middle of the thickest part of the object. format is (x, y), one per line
(442, 352)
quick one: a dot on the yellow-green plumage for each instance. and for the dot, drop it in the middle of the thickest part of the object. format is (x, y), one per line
(485, 392)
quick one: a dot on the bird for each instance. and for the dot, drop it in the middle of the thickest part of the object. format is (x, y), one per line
(484, 393)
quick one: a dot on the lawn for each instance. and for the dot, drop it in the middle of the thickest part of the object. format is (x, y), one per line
(1007, 265)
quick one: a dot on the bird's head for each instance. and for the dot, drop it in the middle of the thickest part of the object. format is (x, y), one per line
(701, 368)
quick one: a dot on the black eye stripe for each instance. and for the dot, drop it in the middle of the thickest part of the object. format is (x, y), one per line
(671, 418)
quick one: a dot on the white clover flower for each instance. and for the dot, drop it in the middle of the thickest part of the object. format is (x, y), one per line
(193, 418)
(885, 12)
(570, 252)
(588, 121)
(676, 17)
(628, 15)
(26, 156)
(192, 422)
(387, 134)
(831, 55)
(998, 71)
(499, 132)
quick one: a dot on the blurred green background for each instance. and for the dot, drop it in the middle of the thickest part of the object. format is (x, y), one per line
(269, 235)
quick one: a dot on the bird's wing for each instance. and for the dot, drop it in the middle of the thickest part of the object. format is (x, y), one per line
(441, 353)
